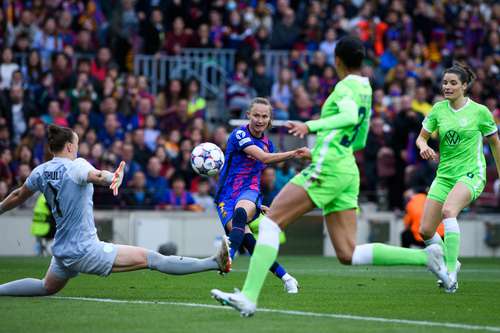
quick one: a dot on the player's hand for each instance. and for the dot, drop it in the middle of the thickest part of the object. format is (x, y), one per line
(427, 153)
(304, 153)
(264, 209)
(297, 128)
(117, 178)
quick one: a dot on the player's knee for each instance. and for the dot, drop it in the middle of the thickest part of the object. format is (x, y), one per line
(449, 211)
(52, 287)
(426, 231)
(240, 216)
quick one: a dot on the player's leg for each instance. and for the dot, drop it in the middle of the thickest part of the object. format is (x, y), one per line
(432, 215)
(291, 203)
(431, 218)
(459, 197)
(131, 258)
(291, 285)
(244, 211)
(55, 279)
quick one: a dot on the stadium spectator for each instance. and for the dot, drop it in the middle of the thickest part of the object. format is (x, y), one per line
(203, 197)
(141, 151)
(7, 68)
(285, 32)
(16, 112)
(268, 186)
(178, 198)
(281, 94)
(196, 104)
(154, 180)
(137, 195)
(260, 81)
(178, 38)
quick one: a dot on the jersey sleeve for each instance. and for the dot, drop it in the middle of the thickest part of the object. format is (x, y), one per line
(487, 124)
(430, 121)
(33, 182)
(79, 171)
(241, 139)
(342, 97)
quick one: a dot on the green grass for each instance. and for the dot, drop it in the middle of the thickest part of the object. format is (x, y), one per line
(327, 287)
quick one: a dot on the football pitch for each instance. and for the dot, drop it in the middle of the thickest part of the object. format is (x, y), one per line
(332, 298)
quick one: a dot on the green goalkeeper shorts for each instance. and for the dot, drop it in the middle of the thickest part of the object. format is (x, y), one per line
(334, 192)
(441, 187)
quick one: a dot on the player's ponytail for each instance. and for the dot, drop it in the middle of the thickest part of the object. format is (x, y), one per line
(58, 137)
(464, 73)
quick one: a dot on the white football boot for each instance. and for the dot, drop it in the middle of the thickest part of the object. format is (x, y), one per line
(436, 264)
(290, 284)
(237, 300)
(223, 258)
(440, 283)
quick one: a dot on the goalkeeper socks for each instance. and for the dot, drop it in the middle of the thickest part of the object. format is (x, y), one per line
(24, 287)
(263, 257)
(451, 243)
(249, 244)
(436, 239)
(379, 254)
(176, 265)
(237, 233)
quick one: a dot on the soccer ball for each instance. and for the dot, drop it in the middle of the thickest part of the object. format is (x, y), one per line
(207, 159)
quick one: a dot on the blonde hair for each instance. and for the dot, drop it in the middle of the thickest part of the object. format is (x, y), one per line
(263, 101)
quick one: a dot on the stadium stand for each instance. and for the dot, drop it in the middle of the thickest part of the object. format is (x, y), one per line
(145, 81)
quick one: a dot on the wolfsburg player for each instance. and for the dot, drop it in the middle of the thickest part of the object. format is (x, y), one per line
(238, 199)
(67, 183)
(461, 175)
(331, 182)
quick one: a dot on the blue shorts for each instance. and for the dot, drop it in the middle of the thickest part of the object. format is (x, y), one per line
(225, 206)
(98, 260)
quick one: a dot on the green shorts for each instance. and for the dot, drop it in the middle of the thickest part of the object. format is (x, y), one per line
(332, 193)
(441, 187)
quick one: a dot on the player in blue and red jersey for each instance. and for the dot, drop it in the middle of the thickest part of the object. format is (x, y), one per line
(238, 197)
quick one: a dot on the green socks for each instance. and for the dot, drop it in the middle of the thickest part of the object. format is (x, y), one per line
(379, 254)
(263, 257)
(451, 243)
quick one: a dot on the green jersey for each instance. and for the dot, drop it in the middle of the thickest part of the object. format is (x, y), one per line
(343, 126)
(461, 135)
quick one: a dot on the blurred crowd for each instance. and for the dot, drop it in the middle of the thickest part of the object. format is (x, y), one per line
(69, 62)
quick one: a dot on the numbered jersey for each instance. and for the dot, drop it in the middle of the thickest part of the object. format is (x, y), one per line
(334, 148)
(461, 135)
(63, 182)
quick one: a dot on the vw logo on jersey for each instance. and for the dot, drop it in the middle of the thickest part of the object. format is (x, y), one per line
(240, 134)
(452, 138)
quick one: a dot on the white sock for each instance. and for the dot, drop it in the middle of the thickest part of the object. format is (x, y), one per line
(363, 255)
(269, 233)
(286, 277)
(451, 225)
(436, 239)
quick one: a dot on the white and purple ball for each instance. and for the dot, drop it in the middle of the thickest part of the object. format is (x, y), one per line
(207, 159)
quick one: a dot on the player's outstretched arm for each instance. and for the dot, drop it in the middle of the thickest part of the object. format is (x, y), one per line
(15, 198)
(426, 152)
(269, 158)
(494, 142)
(107, 178)
(348, 116)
